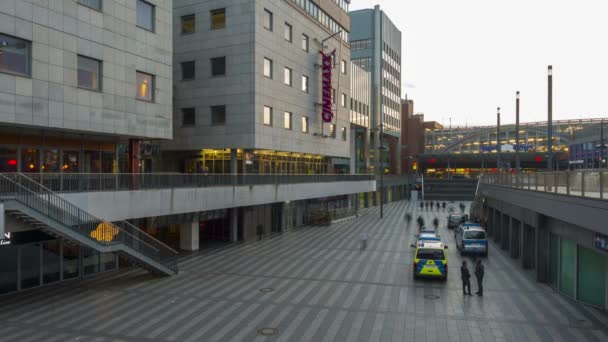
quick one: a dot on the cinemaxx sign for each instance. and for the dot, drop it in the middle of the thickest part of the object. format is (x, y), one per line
(327, 66)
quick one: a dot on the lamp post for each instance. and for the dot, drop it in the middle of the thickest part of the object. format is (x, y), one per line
(381, 150)
(498, 146)
(517, 147)
(550, 118)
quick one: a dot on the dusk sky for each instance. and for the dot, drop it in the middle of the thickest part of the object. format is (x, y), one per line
(464, 58)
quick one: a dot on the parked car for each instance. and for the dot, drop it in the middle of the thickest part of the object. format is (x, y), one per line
(454, 220)
(471, 239)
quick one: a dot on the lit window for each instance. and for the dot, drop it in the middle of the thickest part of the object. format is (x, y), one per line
(145, 86)
(268, 67)
(287, 120)
(305, 83)
(343, 100)
(188, 70)
(332, 130)
(305, 42)
(145, 15)
(304, 124)
(218, 19)
(267, 116)
(188, 24)
(343, 66)
(15, 55)
(218, 115)
(343, 133)
(287, 77)
(287, 32)
(89, 73)
(188, 117)
(267, 19)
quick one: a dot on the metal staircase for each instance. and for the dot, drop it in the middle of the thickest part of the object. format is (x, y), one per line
(39, 207)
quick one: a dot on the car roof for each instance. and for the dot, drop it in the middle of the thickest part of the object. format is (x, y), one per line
(430, 244)
(429, 232)
(474, 228)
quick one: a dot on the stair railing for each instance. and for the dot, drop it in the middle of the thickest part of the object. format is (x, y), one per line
(35, 196)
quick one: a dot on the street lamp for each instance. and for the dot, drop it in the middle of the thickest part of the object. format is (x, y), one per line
(498, 146)
(517, 147)
(550, 117)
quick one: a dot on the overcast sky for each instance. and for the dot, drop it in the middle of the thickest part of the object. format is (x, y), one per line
(464, 58)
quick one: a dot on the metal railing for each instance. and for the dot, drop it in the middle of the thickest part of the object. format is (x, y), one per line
(582, 183)
(35, 196)
(83, 182)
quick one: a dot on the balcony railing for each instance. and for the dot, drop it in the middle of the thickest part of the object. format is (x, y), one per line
(582, 183)
(86, 182)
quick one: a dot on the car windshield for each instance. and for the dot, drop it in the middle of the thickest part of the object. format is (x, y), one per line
(430, 254)
(475, 235)
(456, 218)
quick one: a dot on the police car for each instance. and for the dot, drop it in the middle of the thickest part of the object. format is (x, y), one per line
(430, 260)
(471, 239)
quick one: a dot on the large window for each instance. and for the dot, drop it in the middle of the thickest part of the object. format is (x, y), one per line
(287, 32)
(287, 119)
(267, 116)
(89, 73)
(188, 24)
(305, 83)
(145, 86)
(188, 117)
(343, 100)
(305, 42)
(218, 115)
(95, 4)
(332, 130)
(304, 124)
(267, 67)
(343, 133)
(218, 66)
(145, 15)
(15, 55)
(287, 76)
(218, 19)
(188, 70)
(267, 19)
(343, 67)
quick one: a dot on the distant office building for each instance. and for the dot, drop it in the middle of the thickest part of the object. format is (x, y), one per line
(376, 47)
(249, 86)
(360, 102)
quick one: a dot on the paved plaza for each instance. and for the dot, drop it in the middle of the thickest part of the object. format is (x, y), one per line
(313, 284)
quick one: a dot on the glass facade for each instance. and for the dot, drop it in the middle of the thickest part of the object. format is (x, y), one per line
(591, 286)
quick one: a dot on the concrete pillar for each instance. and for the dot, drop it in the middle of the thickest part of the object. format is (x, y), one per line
(188, 236)
(233, 161)
(234, 224)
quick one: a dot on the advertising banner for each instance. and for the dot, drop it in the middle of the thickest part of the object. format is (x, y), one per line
(327, 68)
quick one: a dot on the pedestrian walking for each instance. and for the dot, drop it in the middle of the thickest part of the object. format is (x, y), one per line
(432, 205)
(479, 273)
(426, 205)
(408, 218)
(462, 206)
(420, 221)
(421, 205)
(363, 240)
(466, 279)
(436, 223)
(443, 205)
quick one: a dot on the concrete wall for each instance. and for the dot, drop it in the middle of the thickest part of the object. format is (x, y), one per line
(62, 30)
(122, 205)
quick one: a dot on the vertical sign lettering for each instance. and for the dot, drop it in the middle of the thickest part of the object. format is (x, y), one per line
(326, 67)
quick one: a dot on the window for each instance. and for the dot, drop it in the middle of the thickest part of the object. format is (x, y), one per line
(343, 100)
(305, 83)
(188, 70)
(218, 115)
(304, 124)
(16, 55)
(145, 86)
(343, 67)
(267, 19)
(218, 66)
(145, 15)
(344, 133)
(287, 77)
(89, 73)
(267, 116)
(188, 24)
(95, 4)
(288, 120)
(218, 19)
(287, 32)
(305, 42)
(267, 67)
(188, 117)
(333, 95)
(332, 130)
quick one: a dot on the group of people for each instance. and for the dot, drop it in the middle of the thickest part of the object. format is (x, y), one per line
(466, 278)
(426, 204)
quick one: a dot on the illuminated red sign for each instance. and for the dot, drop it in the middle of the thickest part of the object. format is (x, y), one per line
(327, 66)
(538, 159)
(12, 162)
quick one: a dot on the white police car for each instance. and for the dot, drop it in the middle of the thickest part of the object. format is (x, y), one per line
(471, 239)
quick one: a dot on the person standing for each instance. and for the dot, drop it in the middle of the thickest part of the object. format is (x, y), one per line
(479, 273)
(363, 240)
(466, 279)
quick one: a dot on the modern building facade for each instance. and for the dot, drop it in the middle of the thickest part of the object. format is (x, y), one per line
(376, 47)
(587, 149)
(248, 87)
(360, 105)
(82, 83)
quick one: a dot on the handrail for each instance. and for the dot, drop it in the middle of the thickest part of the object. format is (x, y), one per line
(39, 198)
